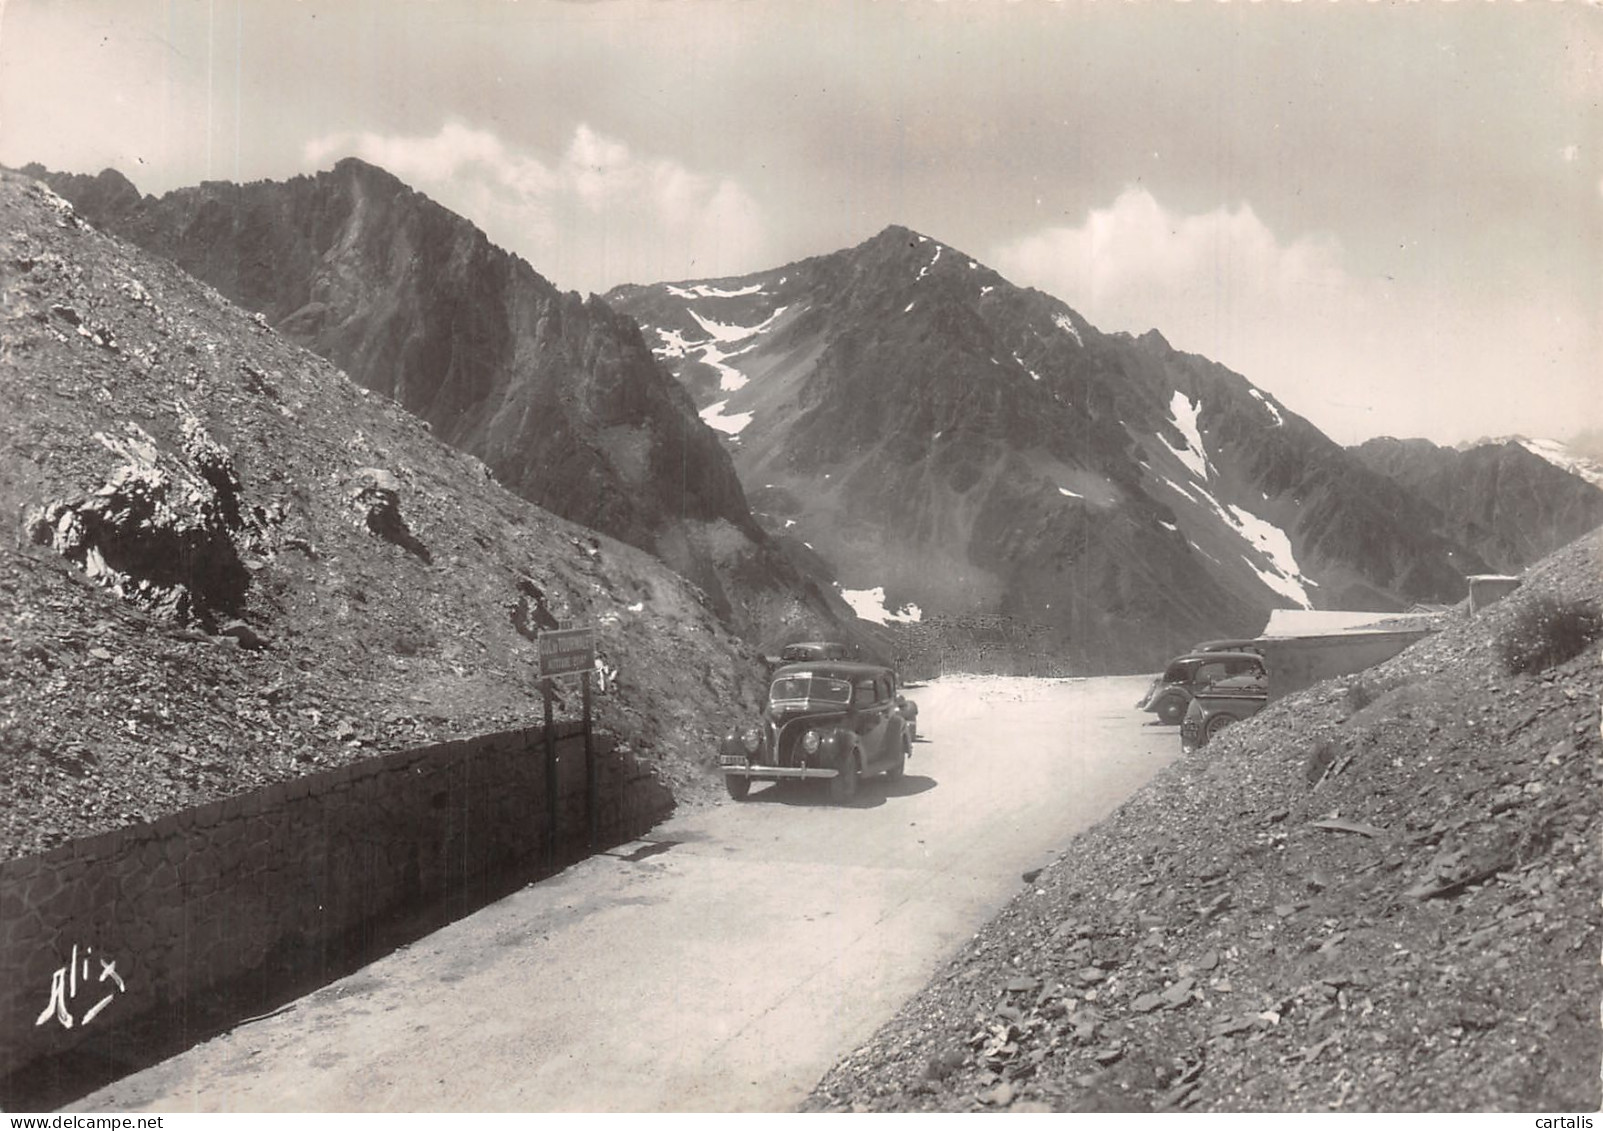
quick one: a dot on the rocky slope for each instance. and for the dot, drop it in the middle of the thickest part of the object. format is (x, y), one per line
(557, 395)
(1501, 499)
(230, 564)
(948, 443)
(1377, 895)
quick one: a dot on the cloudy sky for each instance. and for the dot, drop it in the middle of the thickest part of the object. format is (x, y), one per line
(1390, 216)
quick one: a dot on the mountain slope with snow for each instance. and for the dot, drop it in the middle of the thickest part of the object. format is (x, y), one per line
(963, 445)
(1565, 459)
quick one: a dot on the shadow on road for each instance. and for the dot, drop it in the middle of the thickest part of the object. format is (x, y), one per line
(871, 792)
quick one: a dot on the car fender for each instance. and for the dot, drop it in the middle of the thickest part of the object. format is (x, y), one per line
(835, 746)
(1169, 692)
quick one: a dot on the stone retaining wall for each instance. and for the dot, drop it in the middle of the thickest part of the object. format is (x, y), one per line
(284, 883)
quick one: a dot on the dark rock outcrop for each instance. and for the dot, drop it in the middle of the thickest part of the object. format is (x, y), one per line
(161, 531)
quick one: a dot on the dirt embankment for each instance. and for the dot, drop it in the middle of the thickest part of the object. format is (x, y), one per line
(1380, 895)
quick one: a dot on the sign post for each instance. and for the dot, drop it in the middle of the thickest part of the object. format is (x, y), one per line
(566, 652)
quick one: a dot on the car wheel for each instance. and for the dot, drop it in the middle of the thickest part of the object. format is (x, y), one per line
(899, 767)
(738, 786)
(1172, 710)
(843, 786)
(1217, 724)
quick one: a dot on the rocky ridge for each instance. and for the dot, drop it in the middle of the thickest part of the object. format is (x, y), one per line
(1378, 895)
(231, 565)
(1508, 503)
(557, 394)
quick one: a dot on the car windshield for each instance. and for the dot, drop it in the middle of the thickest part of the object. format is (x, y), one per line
(808, 686)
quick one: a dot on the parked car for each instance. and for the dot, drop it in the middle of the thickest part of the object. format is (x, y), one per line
(909, 710)
(803, 651)
(1230, 687)
(1170, 693)
(831, 719)
(1229, 645)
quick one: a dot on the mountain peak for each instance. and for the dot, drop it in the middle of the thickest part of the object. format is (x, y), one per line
(901, 239)
(354, 168)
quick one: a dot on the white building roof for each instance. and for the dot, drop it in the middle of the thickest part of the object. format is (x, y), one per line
(1325, 622)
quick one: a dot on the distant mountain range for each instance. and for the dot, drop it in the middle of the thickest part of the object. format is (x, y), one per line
(557, 395)
(1512, 501)
(948, 441)
(919, 439)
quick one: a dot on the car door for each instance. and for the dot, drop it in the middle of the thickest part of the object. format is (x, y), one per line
(871, 713)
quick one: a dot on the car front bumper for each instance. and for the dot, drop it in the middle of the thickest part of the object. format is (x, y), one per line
(757, 770)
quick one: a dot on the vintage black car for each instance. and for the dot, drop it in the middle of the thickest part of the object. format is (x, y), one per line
(805, 651)
(1231, 687)
(830, 719)
(1170, 694)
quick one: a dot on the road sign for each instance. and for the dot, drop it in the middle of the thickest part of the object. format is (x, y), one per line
(567, 651)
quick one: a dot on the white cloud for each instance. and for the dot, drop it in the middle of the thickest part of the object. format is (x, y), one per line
(1360, 355)
(593, 216)
(1136, 265)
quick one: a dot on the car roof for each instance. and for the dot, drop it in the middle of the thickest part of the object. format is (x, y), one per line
(1223, 656)
(1227, 644)
(832, 669)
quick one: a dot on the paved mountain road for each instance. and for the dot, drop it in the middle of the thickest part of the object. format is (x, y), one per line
(723, 966)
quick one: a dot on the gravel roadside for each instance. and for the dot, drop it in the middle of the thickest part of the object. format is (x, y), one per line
(1379, 895)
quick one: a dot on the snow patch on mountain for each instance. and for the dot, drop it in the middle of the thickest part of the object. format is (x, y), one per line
(710, 351)
(869, 604)
(1560, 456)
(1069, 493)
(706, 290)
(1066, 324)
(1283, 574)
(925, 270)
(1272, 558)
(673, 343)
(728, 332)
(1184, 413)
(1273, 411)
(729, 423)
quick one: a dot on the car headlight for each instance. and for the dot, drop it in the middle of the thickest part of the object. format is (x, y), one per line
(810, 742)
(752, 739)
